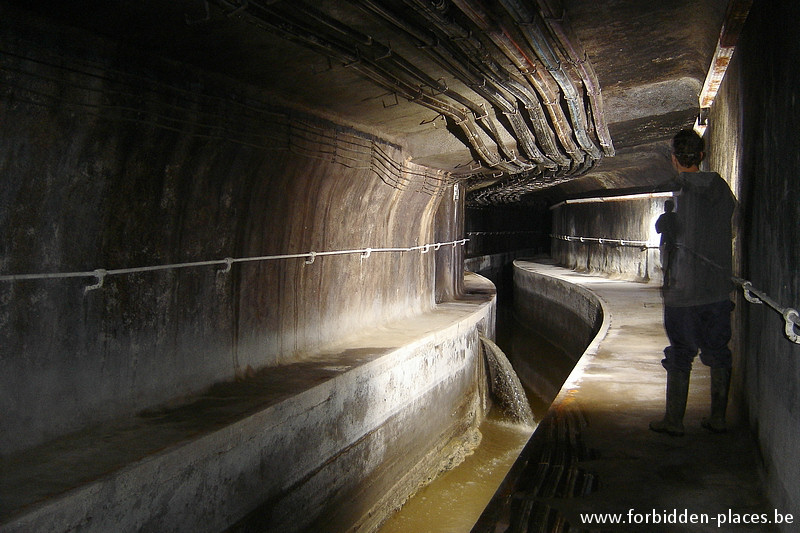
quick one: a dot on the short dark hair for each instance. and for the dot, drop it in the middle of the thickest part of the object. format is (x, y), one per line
(688, 148)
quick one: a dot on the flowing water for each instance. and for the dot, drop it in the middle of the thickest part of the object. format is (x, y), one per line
(505, 385)
(454, 501)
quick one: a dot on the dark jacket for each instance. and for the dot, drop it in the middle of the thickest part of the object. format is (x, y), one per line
(701, 271)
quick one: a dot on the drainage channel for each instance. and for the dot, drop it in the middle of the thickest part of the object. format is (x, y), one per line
(455, 500)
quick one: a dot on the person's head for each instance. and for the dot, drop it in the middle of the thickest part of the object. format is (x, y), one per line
(669, 205)
(688, 148)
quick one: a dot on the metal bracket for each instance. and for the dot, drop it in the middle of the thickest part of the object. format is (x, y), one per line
(100, 274)
(790, 325)
(747, 287)
(356, 61)
(432, 121)
(228, 265)
(485, 111)
(388, 52)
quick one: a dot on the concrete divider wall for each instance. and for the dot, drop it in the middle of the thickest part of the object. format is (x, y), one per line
(340, 455)
(497, 267)
(567, 315)
(572, 318)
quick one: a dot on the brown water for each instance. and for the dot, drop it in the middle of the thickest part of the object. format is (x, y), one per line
(455, 500)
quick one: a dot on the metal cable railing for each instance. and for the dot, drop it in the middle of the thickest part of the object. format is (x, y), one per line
(790, 315)
(496, 233)
(101, 273)
(616, 242)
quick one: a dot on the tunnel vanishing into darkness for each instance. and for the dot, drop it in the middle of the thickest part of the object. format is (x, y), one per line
(234, 232)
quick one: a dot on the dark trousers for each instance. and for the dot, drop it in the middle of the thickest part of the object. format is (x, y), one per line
(701, 327)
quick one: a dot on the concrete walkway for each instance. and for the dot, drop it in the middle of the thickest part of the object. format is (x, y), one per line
(594, 453)
(327, 443)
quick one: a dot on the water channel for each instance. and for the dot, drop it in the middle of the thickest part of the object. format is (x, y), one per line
(455, 500)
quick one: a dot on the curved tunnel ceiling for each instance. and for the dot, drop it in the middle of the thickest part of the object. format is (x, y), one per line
(512, 97)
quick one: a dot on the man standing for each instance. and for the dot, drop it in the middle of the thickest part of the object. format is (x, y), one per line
(697, 306)
(667, 226)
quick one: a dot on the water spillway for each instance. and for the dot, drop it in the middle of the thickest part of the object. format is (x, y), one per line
(505, 386)
(521, 361)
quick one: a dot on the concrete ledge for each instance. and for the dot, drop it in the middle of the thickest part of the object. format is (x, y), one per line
(573, 318)
(566, 314)
(338, 439)
(593, 451)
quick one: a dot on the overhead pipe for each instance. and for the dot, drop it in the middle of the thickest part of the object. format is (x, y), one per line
(527, 65)
(496, 98)
(380, 75)
(482, 81)
(541, 127)
(448, 58)
(514, 190)
(578, 57)
(528, 24)
(518, 89)
(500, 78)
(521, 91)
(492, 91)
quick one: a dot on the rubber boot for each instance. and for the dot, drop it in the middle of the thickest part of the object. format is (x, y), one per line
(720, 384)
(677, 392)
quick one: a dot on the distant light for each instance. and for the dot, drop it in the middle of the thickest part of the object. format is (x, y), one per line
(597, 199)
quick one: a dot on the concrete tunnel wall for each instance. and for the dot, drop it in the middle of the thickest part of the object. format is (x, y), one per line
(115, 159)
(622, 219)
(752, 142)
(752, 139)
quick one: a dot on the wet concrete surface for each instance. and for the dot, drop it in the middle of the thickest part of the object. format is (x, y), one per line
(593, 452)
(353, 418)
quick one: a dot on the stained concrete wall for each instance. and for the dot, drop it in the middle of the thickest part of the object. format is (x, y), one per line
(567, 315)
(353, 432)
(630, 220)
(448, 223)
(753, 141)
(113, 159)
